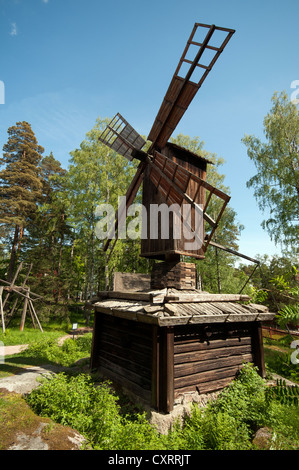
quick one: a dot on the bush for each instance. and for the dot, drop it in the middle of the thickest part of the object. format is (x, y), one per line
(70, 351)
(228, 423)
(93, 411)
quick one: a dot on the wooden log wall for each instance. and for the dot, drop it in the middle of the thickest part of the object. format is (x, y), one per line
(159, 364)
(122, 351)
(207, 358)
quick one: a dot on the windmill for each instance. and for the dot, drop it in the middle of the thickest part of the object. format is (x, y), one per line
(170, 339)
(171, 174)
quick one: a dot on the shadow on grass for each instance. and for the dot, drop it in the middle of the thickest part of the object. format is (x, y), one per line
(19, 364)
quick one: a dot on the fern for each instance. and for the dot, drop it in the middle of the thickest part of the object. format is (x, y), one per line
(288, 314)
(287, 395)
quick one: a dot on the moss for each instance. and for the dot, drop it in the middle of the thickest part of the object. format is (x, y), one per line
(17, 419)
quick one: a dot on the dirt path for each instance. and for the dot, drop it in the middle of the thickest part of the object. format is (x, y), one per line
(9, 350)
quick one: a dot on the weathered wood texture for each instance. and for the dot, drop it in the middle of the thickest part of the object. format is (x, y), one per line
(158, 248)
(122, 351)
(158, 364)
(178, 275)
(131, 282)
(207, 358)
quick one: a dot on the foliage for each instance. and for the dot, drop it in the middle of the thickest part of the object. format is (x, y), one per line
(283, 393)
(281, 363)
(69, 352)
(93, 411)
(227, 423)
(288, 315)
(276, 184)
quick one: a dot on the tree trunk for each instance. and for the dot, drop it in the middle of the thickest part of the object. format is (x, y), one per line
(13, 254)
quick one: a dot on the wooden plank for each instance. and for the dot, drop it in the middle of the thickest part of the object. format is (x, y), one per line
(206, 387)
(123, 372)
(24, 311)
(188, 369)
(135, 363)
(204, 355)
(205, 298)
(123, 381)
(185, 347)
(34, 313)
(258, 349)
(197, 380)
(155, 387)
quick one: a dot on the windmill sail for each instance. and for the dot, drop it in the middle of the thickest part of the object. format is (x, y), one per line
(121, 137)
(185, 83)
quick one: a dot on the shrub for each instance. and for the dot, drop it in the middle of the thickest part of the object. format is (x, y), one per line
(70, 351)
(93, 411)
(227, 423)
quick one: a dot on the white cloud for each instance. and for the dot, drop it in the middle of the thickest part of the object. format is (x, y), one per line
(14, 30)
(45, 1)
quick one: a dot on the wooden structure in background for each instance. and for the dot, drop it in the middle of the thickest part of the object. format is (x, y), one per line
(23, 294)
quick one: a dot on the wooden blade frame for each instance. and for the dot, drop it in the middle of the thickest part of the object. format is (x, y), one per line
(172, 181)
(182, 89)
(121, 137)
(130, 196)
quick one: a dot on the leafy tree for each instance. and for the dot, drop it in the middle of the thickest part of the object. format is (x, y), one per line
(96, 175)
(20, 183)
(276, 184)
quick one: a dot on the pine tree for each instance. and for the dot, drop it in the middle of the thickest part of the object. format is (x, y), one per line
(20, 183)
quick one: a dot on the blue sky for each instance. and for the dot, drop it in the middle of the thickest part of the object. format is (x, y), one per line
(66, 62)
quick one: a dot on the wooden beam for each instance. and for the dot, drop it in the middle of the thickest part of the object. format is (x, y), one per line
(12, 283)
(24, 310)
(166, 369)
(258, 349)
(194, 298)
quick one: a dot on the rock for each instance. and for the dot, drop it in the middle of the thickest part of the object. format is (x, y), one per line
(263, 438)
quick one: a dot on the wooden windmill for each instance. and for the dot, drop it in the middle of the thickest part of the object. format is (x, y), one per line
(170, 339)
(171, 174)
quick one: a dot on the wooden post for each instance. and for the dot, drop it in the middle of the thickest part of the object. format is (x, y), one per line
(155, 368)
(24, 311)
(34, 313)
(95, 347)
(1, 309)
(166, 369)
(258, 349)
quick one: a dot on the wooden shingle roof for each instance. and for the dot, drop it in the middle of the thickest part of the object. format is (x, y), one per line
(169, 307)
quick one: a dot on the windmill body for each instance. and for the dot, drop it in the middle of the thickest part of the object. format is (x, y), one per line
(169, 338)
(171, 174)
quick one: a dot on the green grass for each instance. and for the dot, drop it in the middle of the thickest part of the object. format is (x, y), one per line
(14, 336)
